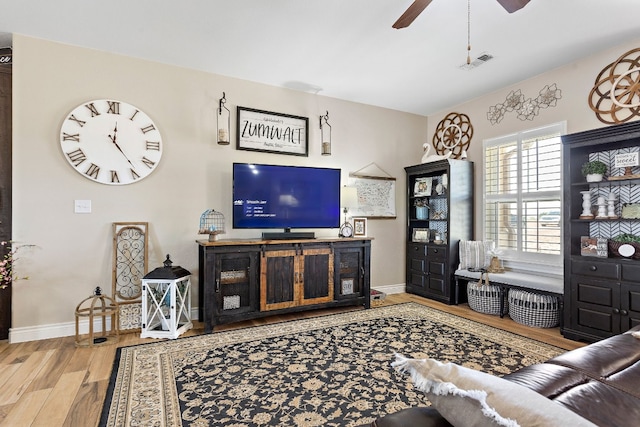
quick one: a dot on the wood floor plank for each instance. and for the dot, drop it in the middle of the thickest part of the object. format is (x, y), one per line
(6, 372)
(87, 406)
(101, 364)
(22, 378)
(24, 412)
(17, 353)
(57, 406)
(80, 359)
(54, 368)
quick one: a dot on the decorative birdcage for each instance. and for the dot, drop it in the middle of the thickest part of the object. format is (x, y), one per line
(211, 223)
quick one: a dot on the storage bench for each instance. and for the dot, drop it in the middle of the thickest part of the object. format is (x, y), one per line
(534, 283)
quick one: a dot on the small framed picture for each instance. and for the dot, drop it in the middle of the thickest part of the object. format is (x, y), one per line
(422, 187)
(360, 227)
(420, 235)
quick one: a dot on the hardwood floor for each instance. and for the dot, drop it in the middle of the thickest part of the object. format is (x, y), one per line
(52, 383)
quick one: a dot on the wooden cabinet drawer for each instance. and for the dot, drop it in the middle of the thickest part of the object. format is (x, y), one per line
(417, 250)
(436, 251)
(596, 269)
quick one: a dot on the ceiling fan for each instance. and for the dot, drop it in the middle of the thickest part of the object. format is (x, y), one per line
(418, 6)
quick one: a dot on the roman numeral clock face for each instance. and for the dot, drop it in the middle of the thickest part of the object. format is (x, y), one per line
(111, 142)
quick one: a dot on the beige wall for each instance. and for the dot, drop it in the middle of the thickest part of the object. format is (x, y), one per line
(575, 80)
(74, 251)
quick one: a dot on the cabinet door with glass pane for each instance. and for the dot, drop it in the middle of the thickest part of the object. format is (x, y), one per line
(235, 287)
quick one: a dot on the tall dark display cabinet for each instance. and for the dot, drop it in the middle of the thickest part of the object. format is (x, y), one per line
(439, 215)
(602, 294)
(5, 181)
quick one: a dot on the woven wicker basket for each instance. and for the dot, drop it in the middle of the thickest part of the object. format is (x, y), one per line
(485, 298)
(531, 309)
(613, 249)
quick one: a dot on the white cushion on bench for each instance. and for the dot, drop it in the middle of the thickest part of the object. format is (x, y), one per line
(525, 280)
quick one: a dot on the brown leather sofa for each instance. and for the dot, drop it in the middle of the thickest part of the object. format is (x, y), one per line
(600, 382)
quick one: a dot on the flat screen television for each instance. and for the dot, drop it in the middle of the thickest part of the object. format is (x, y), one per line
(285, 197)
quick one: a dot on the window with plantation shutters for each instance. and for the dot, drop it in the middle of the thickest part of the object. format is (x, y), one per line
(523, 193)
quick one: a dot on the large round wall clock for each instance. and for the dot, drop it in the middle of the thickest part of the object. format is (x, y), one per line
(111, 142)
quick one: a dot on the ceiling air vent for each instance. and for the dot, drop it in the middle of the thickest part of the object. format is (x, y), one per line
(477, 62)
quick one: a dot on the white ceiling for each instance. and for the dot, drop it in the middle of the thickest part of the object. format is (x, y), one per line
(340, 48)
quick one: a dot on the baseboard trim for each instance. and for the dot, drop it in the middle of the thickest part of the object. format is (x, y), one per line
(59, 330)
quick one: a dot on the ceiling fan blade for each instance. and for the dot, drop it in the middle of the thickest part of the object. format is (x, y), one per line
(411, 13)
(513, 5)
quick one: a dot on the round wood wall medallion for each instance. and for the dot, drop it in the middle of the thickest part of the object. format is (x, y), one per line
(453, 134)
(615, 97)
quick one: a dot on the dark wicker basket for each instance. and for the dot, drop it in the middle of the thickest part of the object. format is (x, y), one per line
(613, 249)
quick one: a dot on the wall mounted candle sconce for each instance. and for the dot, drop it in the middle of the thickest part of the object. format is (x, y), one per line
(325, 133)
(223, 117)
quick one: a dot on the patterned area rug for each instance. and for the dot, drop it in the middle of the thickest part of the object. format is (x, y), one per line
(325, 371)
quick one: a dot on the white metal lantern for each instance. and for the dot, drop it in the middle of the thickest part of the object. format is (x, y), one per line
(166, 302)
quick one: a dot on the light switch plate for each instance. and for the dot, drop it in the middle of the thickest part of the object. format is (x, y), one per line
(82, 206)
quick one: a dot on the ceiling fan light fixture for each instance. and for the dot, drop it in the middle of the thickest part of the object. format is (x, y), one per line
(470, 65)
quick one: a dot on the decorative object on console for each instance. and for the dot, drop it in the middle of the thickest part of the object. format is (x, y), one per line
(422, 208)
(111, 142)
(594, 170)
(602, 208)
(423, 187)
(211, 223)
(223, 121)
(428, 157)
(586, 205)
(325, 134)
(611, 208)
(437, 239)
(614, 96)
(270, 132)
(627, 161)
(421, 235)
(130, 253)
(360, 227)
(631, 211)
(453, 135)
(166, 302)
(525, 109)
(348, 199)
(625, 245)
(593, 246)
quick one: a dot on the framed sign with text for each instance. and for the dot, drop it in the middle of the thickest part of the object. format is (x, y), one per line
(270, 132)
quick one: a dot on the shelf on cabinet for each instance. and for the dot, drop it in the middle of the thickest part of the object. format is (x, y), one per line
(606, 183)
(605, 219)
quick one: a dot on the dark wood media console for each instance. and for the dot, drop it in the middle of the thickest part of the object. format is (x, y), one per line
(247, 279)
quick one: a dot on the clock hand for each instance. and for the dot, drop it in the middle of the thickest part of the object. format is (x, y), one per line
(113, 139)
